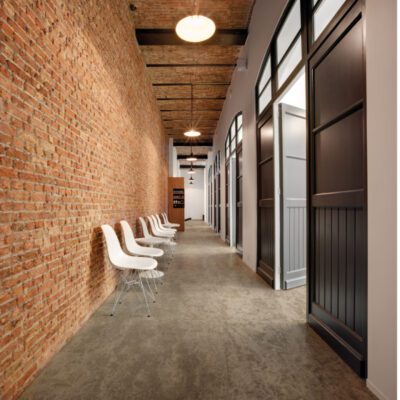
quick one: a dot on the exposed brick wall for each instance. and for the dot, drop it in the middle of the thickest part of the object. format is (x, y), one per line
(81, 144)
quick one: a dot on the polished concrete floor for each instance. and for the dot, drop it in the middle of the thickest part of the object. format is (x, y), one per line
(217, 331)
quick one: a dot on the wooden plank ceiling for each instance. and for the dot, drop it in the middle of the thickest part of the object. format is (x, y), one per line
(176, 68)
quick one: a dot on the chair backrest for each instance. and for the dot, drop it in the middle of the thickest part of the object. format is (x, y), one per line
(152, 224)
(129, 238)
(146, 233)
(114, 248)
(164, 219)
(159, 220)
(156, 224)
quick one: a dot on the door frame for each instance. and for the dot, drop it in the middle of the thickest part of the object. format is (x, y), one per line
(239, 151)
(266, 116)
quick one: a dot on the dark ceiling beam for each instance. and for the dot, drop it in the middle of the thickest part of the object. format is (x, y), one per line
(198, 156)
(193, 142)
(161, 37)
(192, 166)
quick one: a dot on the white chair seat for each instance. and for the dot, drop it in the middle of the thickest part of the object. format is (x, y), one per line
(152, 274)
(133, 262)
(151, 241)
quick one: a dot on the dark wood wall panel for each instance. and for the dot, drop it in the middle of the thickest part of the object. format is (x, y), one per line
(267, 233)
(339, 252)
(344, 86)
(266, 215)
(337, 190)
(337, 165)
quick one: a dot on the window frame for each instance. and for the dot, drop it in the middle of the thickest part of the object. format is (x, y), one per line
(233, 138)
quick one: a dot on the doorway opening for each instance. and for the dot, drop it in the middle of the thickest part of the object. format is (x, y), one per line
(290, 181)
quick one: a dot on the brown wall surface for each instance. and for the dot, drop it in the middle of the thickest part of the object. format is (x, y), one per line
(81, 144)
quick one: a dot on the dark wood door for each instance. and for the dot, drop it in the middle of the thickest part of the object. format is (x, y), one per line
(227, 201)
(266, 224)
(337, 191)
(215, 203)
(239, 199)
(219, 203)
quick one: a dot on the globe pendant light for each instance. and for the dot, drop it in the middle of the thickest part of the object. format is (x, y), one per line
(195, 28)
(191, 132)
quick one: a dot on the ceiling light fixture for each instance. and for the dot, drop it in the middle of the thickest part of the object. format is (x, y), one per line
(191, 157)
(191, 170)
(195, 28)
(191, 132)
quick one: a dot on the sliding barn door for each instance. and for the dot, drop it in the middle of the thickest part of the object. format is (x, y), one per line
(293, 139)
(266, 223)
(338, 198)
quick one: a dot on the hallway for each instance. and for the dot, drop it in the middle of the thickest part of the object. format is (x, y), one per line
(217, 331)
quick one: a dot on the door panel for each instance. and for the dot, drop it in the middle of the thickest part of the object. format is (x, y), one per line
(227, 201)
(337, 189)
(293, 185)
(344, 85)
(239, 199)
(266, 228)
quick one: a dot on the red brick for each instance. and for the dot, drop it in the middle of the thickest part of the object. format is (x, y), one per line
(82, 144)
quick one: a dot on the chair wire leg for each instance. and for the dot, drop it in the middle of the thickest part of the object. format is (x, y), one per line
(154, 281)
(118, 293)
(144, 295)
(150, 291)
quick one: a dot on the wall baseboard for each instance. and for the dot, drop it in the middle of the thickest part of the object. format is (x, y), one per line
(376, 391)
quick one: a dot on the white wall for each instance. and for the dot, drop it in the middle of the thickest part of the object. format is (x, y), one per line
(241, 98)
(194, 194)
(381, 143)
(173, 160)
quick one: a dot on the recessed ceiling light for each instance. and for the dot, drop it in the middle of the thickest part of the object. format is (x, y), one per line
(195, 28)
(192, 133)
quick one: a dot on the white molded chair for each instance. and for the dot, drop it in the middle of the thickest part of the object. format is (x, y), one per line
(131, 267)
(134, 248)
(149, 239)
(167, 223)
(159, 226)
(164, 235)
(162, 226)
(157, 231)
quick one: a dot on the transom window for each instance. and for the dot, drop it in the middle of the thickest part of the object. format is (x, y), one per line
(288, 44)
(264, 91)
(234, 136)
(286, 52)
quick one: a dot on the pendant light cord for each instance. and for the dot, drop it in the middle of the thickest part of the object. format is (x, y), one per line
(191, 105)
